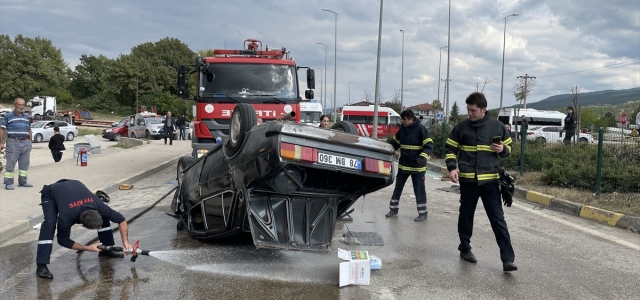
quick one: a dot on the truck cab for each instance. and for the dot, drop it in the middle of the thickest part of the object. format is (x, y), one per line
(42, 107)
(265, 79)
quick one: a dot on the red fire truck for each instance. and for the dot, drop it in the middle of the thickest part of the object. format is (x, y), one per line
(266, 79)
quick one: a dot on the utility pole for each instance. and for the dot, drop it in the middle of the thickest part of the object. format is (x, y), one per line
(377, 92)
(526, 78)
(137, 104)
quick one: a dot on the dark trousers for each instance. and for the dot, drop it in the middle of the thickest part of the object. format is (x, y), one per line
(418, 189)
(567, 137)
(48, 229)
(183, 132)
(490, 195)
(57, 155)
(168, 133)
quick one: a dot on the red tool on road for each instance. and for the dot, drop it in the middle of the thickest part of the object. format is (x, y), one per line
(135, 251)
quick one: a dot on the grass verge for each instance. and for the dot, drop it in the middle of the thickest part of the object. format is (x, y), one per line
(84, 131)
(624, 203)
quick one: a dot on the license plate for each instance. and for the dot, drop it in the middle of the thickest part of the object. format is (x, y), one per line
(340, 161)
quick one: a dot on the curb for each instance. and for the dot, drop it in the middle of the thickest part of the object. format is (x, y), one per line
(19, 227)
(610, 218)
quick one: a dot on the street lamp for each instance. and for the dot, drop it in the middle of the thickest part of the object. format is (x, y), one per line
(321, 88)
(335, 62)
(380, 87)
(402, 74)
(504, 44)
(324, 105)
(350, 91)
(446, 107)
(377, 96)
(440, 64)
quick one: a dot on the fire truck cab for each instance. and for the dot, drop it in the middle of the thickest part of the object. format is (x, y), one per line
(266, 79)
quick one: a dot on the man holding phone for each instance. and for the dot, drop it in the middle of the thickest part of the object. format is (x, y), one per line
(474, 146)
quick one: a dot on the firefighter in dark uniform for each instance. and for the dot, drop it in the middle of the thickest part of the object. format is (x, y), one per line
(416, 145)
(68, 202)
(474, 145)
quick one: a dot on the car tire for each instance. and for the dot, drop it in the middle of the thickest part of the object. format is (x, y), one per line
(345, 126)
(116, 137)
(243, 119)
(541, 140)
(183, 163)
(583, 140)
(38, 138)
(147, 135)
(70, 136)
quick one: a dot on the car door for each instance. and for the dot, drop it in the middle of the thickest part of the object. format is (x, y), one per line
(47, 131)
(64, 128)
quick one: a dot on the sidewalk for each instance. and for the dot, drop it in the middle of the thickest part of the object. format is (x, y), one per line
(19, 209)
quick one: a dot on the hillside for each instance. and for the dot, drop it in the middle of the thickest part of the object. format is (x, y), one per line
(599, 98)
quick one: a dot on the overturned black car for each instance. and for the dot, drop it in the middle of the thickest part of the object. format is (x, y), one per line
(283, 182)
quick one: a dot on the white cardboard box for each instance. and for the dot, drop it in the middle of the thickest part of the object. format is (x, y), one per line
(356, 270)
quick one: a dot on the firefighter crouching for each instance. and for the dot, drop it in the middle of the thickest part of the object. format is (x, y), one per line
(416, 145)
(68, 202)
(474, 145)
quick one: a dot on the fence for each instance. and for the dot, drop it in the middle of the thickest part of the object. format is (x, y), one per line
(606, 161)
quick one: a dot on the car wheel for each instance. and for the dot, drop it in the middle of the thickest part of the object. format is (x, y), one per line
(147, 135)
(38, 138)
(583, 140)
(243, 119)
(541, 140)
(70, 136)
(183, 163)
(116, 137)
(37, 117)
(345, 126)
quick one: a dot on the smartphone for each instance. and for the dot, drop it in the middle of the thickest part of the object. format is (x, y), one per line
(497, 140)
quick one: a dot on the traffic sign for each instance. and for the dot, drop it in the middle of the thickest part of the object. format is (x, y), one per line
(439, 116)
(623, 118)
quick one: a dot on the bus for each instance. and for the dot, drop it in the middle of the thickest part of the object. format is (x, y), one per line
(362, 118)
(510, 115)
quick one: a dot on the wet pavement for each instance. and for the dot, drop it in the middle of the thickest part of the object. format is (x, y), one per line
(559, 256)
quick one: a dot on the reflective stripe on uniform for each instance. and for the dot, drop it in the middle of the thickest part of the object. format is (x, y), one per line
(467, 175)
(104, 229)
(410, 169)
(45, 242)
(452, 143)
(488, 176)
(426, 156)
(8, 175)
(23, 173)
(411, 147)
(426, 141)
(422, 205)
(394, 203)
(451, 156)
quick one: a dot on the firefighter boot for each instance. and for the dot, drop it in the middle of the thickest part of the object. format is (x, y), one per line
(110, 254)
(509, 266)
(43, 272)
(468, 256)
(421, 217)
(391, 213)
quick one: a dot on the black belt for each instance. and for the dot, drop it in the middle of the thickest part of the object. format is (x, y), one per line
(18, 138)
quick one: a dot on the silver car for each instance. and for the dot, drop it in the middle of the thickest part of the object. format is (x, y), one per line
(43, 130)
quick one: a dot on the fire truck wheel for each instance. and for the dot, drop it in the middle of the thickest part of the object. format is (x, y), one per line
(345, 126)
(243, 119)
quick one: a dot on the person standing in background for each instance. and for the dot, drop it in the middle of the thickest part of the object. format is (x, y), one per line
(169, 124)
(569, 126)
(56, 144)
(18, 128)
(182, 124)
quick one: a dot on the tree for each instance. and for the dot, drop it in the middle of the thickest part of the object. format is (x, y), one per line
(519, 91)
(88, 77)
(395, 102)
(437, 105)
(30, 66)
(608, 120)
(493, 114)
(455, 111)
(367, 96)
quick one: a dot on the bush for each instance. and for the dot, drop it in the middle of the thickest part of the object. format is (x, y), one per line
(436, 135)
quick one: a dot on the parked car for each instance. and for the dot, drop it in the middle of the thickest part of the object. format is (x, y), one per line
(43, 130)
(145, 125)
(287, 186)
(117, 130)
(551, 134)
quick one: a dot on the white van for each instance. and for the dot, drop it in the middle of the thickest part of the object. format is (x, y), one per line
(508, 116)
(310, 113)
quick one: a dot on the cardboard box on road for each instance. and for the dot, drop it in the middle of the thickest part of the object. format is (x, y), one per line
(357, 268)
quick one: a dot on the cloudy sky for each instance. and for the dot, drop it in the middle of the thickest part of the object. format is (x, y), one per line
(590, 43)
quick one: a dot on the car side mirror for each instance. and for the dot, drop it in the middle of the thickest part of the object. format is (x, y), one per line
(308, 94)
(311, 79)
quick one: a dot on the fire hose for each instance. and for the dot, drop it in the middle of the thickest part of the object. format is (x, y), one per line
(134, 252)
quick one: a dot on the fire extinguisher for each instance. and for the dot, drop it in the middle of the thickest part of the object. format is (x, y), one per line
(82, 157)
